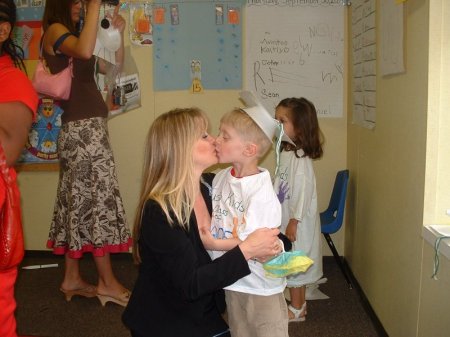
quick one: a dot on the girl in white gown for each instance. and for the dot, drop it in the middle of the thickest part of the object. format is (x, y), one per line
(295, 185)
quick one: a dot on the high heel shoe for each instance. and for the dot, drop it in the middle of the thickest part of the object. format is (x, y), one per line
(122, 300)
(299, 314)
(89, 291)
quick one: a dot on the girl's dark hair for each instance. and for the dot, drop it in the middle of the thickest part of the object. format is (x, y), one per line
(8, 14)
(58, 11)
(308, 135)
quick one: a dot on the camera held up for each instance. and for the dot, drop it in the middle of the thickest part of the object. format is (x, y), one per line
(111, 2)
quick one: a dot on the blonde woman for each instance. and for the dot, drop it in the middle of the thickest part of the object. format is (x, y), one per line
(178, 289)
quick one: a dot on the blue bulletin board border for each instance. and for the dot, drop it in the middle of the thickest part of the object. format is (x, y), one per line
(30, 10)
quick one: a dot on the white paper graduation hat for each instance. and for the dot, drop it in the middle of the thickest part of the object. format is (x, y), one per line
(269, 125)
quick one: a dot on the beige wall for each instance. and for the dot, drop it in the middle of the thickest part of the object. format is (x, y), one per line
(434, 298)
(127, 135)
(391, 183)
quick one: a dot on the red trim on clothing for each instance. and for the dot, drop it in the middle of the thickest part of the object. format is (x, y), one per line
(77, 254)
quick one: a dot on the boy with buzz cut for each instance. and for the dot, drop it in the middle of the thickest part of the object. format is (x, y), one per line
(243, 201)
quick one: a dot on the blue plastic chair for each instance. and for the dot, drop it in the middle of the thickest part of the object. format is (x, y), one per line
(332, 218)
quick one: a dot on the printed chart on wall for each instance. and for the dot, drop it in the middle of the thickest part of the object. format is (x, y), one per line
(295, 49)
(197, 45)
(364, 62)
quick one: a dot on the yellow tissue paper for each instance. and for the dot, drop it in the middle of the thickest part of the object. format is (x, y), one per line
(287, 263)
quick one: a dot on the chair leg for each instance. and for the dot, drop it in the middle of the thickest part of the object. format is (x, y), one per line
(337, 258)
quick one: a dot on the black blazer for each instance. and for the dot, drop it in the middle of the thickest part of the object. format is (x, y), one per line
(178, 286)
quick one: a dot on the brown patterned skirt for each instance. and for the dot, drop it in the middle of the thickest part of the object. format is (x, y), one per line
(88, 214)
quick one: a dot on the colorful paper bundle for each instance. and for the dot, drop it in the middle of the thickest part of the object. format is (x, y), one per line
(287, 263)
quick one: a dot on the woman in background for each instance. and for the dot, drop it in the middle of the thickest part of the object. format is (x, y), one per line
(89, 214)
(18, 105)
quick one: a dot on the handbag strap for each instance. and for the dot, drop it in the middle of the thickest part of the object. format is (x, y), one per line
(56, 45)
(59, 41)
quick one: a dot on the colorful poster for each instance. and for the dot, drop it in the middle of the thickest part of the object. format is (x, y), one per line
(41, 146)
(28, 30)
(140, 29)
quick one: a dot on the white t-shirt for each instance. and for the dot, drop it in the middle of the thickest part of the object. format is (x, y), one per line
(295, 185)
(240, 206)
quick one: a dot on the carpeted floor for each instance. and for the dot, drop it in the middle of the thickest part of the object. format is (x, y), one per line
(42, 310)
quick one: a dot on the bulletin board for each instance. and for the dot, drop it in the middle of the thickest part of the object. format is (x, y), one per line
(296, 49)
(201, 40)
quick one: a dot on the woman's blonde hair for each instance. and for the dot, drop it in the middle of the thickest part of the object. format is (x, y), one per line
(247, 129)
(168, 172)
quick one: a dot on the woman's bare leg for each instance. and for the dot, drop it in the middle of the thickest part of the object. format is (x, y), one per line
(107, 282)
(72, 277)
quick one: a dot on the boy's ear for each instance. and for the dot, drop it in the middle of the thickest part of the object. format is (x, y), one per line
(5, 31)
(250, 150)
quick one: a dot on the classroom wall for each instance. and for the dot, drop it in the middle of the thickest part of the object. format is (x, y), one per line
(127, 136)
(390, 185)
